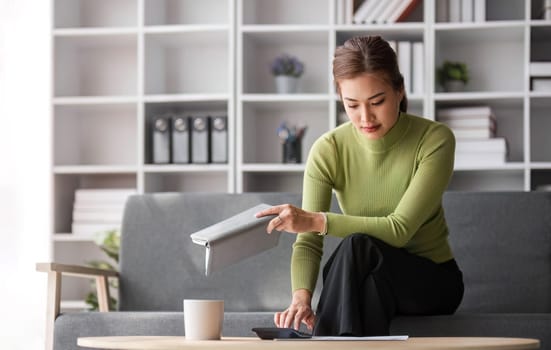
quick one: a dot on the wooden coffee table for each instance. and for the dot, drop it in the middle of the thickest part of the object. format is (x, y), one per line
(170, 343)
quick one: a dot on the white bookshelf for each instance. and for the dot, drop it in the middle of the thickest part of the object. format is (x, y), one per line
(118, 63)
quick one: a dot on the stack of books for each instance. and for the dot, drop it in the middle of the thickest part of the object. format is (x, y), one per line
(540, 75)
(374, 11)
(460, 10)
(98, 210)
(474, 129)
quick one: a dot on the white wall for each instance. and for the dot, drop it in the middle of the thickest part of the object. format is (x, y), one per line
(24, 170)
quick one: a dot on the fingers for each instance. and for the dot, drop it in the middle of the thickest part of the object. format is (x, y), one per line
(292, 317)
(275, 210)
(275, 224)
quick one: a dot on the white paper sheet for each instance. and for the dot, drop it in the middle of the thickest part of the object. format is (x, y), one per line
(375, 338)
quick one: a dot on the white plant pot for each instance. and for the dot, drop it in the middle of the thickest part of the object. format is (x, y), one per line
(286, 84)
(454, 86)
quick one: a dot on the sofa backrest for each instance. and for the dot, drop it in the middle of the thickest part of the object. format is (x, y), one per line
(502, 242)
(160, 265)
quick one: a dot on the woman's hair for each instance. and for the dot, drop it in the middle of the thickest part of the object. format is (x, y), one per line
(368, 54)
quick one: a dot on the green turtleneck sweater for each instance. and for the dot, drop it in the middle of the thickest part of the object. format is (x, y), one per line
(390, 189)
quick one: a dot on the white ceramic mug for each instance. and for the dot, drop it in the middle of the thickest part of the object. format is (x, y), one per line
(203, 319)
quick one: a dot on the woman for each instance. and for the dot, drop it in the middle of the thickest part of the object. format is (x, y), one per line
(389, 171)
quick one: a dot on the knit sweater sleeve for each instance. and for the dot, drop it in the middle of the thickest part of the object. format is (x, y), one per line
(420, 200)
(317, 190)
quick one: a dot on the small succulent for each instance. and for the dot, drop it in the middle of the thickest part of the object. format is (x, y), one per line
(287, 65)
(452, 71)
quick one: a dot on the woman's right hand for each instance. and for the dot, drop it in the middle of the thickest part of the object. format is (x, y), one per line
(299, 311)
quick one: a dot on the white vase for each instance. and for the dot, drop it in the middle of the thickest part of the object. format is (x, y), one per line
(286, 84)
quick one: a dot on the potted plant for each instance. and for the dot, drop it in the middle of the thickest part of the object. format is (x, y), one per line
(452, 76)
(287, 70)
(109, 242)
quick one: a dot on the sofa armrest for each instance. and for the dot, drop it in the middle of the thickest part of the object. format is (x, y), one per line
(55, 272)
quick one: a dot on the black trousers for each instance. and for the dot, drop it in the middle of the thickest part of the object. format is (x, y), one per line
(367, 282)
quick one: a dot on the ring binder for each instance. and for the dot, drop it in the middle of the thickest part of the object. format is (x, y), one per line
(161, 139)
(200, 143)
(219, 140)
(181, 140)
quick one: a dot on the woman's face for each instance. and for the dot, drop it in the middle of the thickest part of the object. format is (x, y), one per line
(371, 103)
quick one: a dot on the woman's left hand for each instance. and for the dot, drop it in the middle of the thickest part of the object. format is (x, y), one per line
(292, 219)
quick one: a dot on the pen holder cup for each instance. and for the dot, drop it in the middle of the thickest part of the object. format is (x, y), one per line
(292, 151)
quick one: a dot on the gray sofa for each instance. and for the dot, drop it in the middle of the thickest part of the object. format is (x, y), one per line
(502, 242)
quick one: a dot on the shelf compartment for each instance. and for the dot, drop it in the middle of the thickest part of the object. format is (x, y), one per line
(65, 186)
(95, 65)
(95, 13)
(540, 180)
(540, 37)
(261, 120)
(540, 124)
(510, 121)
(209, 181)
(476, 47)
(95, 135)
(187, 62)
(175, 12)
(185, 108)
(487, 180)
(261, 48)
(272, 182)
(537, 10)
(282, 12)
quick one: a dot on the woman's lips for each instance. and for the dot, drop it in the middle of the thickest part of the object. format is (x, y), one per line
(370, 128)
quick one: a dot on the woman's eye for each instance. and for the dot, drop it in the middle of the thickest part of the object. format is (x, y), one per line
(352, 106)
(378, 102)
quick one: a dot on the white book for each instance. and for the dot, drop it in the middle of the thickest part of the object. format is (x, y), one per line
(349, 11)
(498, 144)
(105, 195)
(236, 238)
(467, 10)
(394, 45)
(441, 11)
(339, 12)
(363, 10)
(418, 67)
(466, 159)
(454, 8)
(540, 69)
(92, 229)
(97, 217)
(473, 133)
(541, 84)
(374, 14)
(390, 9)
(479, 11)
(99, 207)
(404, 62)
(483, 122)
(464, 112)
